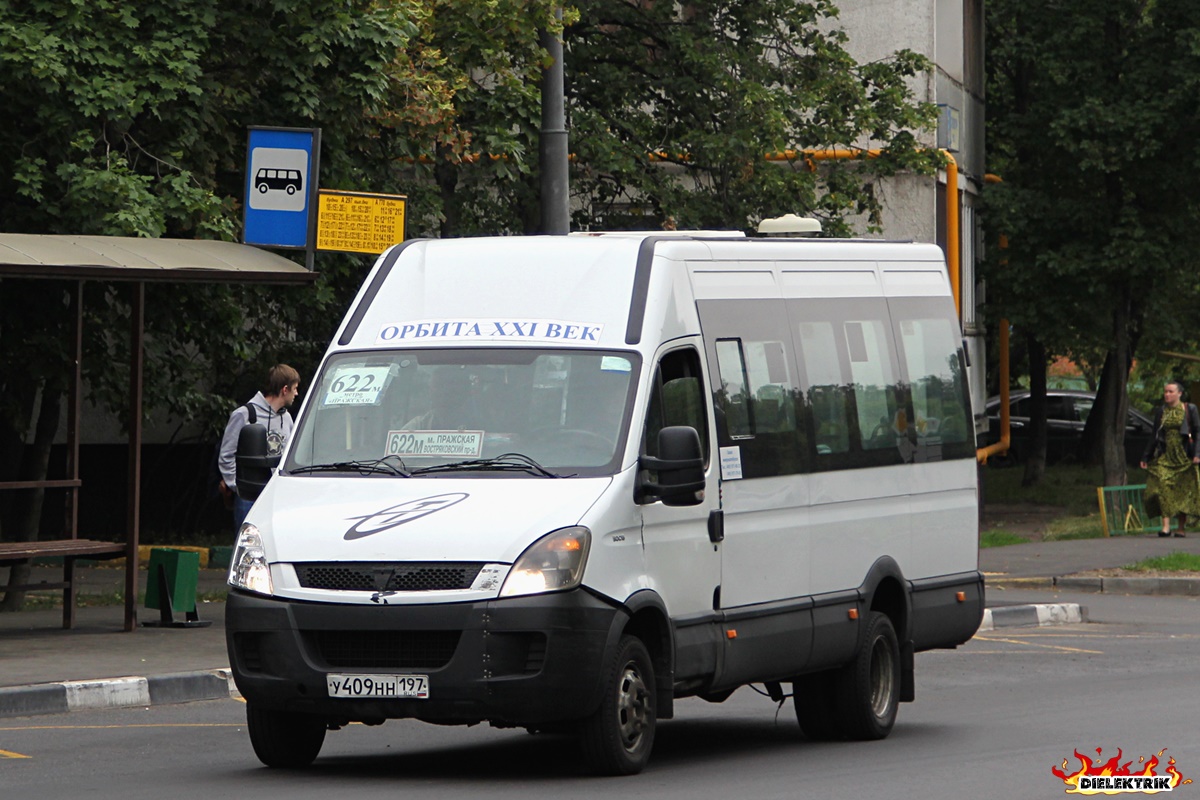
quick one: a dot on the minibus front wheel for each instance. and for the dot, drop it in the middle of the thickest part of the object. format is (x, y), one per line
(283, 739)
(618, 736)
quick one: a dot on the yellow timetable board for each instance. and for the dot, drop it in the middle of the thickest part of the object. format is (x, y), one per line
(358, 222)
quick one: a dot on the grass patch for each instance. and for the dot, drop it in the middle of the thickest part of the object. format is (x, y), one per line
(1076, 527)
(1171, 562)
(998, 537)
(1066, 486)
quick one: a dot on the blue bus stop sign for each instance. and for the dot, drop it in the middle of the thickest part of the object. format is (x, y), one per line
(281, 186)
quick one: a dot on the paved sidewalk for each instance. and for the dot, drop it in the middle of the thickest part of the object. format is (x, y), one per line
(45, 669)
(1052, 559)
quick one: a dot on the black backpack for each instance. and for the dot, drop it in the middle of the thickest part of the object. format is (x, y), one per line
(215, 488)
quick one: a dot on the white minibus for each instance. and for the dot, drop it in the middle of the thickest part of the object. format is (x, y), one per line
(560, 483)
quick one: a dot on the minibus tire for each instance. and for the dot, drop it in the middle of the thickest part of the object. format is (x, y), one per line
(618, 736)
(816, 709)
(282, 739)
(868, 688)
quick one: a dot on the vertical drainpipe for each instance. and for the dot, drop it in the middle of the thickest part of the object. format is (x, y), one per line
(552, 146)
(1001, 446)
(953, 264)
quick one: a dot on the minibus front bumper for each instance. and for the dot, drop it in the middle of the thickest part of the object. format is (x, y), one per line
(518, 661)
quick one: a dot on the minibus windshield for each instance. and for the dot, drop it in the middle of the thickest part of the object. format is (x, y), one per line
(467, 412)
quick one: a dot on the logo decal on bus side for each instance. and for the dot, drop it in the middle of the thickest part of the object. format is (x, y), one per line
(395, 516)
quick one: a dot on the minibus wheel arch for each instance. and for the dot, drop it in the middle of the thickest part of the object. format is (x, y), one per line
(648, 621)
(884, 590)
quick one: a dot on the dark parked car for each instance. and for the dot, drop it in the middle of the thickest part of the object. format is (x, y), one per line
(1066, 414)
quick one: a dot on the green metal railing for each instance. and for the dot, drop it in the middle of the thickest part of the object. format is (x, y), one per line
(1123, 512)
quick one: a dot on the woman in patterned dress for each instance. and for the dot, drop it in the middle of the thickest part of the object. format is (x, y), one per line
(1173, 483)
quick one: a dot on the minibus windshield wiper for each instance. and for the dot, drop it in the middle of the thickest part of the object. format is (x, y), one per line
(508, 462)
(388, 465)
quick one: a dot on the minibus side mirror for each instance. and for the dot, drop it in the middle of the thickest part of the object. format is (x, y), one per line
(254, 465)
(680, 467)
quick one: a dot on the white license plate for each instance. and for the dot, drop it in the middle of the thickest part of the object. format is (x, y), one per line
(411, 686)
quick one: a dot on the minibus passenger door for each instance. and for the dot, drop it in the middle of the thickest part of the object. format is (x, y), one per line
(683, 562)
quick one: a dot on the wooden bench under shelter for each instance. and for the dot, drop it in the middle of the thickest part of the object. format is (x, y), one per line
(13, 553)
(134, 261)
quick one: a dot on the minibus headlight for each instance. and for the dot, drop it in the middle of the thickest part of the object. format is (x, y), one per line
(248, 569)
(552, 563)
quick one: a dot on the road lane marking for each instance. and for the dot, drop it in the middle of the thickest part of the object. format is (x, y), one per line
(135, 725)
(11, 754)
(1046, 646)
(1100, 635)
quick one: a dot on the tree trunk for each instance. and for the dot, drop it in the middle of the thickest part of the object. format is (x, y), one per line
(1116, 396)
(1091, 445)
(1111, 410)
(1035, 458)
(13, 431)
(34, 467)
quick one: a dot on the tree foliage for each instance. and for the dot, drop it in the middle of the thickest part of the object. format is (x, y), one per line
(674, 108)
(1092, 121)
(130, 119)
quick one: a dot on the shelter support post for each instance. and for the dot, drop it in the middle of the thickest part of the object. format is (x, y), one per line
(71, 515)
(133, 518)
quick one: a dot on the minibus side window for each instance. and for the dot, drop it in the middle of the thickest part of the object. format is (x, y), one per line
(755, 392)
(828, 397)
(931, 355)
(733, 398)
(874, 384)
(676, 398)
(851, 375)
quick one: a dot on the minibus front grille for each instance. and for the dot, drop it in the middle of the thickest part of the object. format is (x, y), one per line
(385, 649)
(377, 576)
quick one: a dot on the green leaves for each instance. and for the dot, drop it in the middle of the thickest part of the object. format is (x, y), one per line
(1091, 119)
(717, 86)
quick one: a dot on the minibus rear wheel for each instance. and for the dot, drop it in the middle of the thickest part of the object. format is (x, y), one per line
(283, 739)
(868, 690)
(618, 736)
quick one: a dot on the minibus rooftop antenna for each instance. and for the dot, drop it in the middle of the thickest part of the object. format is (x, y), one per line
(789, 225)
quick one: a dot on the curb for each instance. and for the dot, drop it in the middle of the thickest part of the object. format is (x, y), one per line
(186, 687)
(1099, 584)
(1031, 616)
(61, 698)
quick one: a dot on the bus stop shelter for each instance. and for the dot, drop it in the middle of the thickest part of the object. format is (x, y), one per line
(134, 262)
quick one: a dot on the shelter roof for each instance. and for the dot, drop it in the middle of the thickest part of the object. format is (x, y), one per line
(126, 258)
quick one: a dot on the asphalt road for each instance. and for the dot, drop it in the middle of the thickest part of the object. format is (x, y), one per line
(990, 721)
